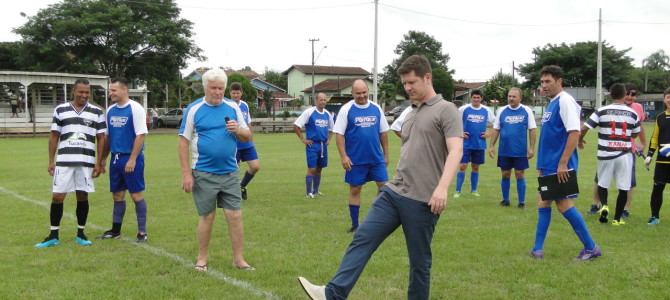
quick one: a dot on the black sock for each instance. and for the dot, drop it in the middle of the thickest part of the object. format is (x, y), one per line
(602, 194)
(116, 227)
(657, 198)
(82, 215)
(620, 204)
(246, 179)
(55, 215)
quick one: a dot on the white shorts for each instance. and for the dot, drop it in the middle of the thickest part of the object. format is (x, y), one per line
(70, 179)
(620, 168)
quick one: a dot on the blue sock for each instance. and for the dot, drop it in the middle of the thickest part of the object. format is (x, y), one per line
(543, 221)
(119, 211)
(309, 181)
(317, 183)
(247, 177)
(353, 213)
(460, 178)
(504, 186)
(579, 226)
(141, 211)
(474, 180)
(521, 189)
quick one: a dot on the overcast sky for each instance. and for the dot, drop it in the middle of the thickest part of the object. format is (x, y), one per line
(481, 37)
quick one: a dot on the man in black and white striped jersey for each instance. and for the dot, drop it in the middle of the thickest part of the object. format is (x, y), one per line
(78, 130)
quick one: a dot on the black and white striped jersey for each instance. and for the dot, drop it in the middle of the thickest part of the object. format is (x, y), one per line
(617, 123)
(78, 130)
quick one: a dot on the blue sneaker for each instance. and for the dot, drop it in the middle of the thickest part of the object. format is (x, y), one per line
(48, 242)
(585, 255)
(82, 241)
(653, 221)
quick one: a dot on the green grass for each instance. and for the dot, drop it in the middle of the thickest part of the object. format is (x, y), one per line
(479, 249)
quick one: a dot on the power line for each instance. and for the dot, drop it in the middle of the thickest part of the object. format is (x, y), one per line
(256, 9)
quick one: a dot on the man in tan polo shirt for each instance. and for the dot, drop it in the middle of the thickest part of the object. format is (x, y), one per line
(415, 198)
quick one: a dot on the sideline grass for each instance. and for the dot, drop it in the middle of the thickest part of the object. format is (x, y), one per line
(479, 249)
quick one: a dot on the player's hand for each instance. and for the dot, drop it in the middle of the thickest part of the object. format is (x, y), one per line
(562, 173)
(187, 182)
(438, 201)
(232, 126)
(466, 135)
(130, 166)
(346, 163)
(96, 171)
(640, 147)
(51, 168)
(531, 153)
(492, 152)
(307, 142)
(581, 144)
(386, 159)
(484, 135)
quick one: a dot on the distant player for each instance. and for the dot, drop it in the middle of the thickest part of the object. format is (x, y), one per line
(515, 124)
(476, 119)
(126, 129)
(318, 125)
(76, 128)
(396, 126)
(659, 139)
(246, 151)
(619, 125)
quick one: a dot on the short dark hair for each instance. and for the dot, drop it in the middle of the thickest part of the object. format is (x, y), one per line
(476, 92)
(666, 92)
(120, 80)
(617, 91)
(81, 81)
(553, 70)
(235, 86)
(631, 87)
(417, 63)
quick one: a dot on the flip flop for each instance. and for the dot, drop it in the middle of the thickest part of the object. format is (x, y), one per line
(245, 268)
(201, 268)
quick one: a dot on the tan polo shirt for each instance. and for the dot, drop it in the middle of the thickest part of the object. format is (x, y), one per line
(424, 147)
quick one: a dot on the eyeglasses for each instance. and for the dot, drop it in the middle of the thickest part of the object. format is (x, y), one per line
(632, 93)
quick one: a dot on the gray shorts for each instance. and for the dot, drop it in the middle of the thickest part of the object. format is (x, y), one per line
(212, 190)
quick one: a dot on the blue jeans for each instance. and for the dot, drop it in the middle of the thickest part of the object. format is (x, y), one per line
(389, 211)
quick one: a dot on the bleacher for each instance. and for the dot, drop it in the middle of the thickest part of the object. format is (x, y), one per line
(22, 124)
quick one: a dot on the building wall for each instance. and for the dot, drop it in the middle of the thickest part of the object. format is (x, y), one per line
(298, 81)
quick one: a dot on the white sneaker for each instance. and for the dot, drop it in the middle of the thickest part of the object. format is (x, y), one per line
(310, 195)
(315, 292)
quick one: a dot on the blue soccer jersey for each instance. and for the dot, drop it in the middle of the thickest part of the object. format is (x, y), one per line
(244, 108)
(361, 126)
(560, 117)
(124, 123)
(513, 125)
(213, 147)
(317, 124)
(475, 121)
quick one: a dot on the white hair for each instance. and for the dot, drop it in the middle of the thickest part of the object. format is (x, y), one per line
(216, 75)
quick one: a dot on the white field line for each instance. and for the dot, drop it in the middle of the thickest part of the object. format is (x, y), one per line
(157, 251)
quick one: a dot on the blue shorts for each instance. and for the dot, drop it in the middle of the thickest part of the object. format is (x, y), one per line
(360, 174)
(317, 155)
(119, 180)
(509, 162)
(247, 154)
(473, 155)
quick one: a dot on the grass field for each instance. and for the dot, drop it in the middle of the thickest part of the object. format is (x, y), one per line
(479, 249)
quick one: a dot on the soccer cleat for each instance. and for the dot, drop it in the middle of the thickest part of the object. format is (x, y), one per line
(603, 211)
(618, 223)
(592, 254)
(537, 254)
(594, 210)
(142, 237)
(457, 195)
(244, 192)
(315, 292)
(352, 229)
(476, 194)
(521, 205)
(82, 241)
(48, 242)
(319, 194)
(310, 195)
(653, 221)
(625, 214)
(109, 234)
(504, 203)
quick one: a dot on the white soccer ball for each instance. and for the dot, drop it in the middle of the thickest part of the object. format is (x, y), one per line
(665, 150)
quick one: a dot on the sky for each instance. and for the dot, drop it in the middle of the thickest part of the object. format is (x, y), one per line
(480, 37)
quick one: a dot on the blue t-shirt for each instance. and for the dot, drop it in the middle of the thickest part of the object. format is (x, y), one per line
(213, 148)
(560, 117)
(475, 121)
(317, 124)
(513, 124)
(124, 123)
(244, 107)
(361, 126)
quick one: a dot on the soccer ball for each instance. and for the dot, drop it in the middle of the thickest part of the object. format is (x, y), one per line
(665, 150)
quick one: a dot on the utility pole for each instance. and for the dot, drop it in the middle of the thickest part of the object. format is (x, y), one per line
(374, 70)
(513, 69)
(312, 98)
(599, 71)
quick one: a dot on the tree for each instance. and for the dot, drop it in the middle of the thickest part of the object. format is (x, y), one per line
(10, 53)
(657, 61)
(139, 40)
(498, 86)
(387, 93)
(650, 80)
(276, 78)
(416, 42)
(579, 62)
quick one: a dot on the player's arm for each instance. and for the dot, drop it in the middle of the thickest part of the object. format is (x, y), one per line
(138, 143)
(570, 146)
(438, 201)
(384, 138)
(100, 164)
(532, 137)
(330, 137)
(494, 139)
(346, 161)
(187, 177)
(53, 146)
(584, 130)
